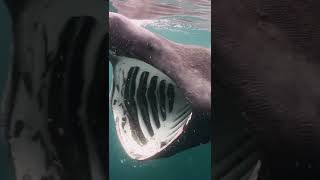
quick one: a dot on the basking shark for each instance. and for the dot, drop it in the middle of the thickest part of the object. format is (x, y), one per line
(53, 112)
(161, 93)
(264, 126)
(161, 101)
(266, 56)
(54, 108)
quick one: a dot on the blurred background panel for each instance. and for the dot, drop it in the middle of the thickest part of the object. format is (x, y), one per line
(5, 55)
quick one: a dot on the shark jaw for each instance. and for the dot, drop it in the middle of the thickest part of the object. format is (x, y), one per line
(149, 109)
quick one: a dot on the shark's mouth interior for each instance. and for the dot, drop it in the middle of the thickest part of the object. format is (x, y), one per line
(150, 111)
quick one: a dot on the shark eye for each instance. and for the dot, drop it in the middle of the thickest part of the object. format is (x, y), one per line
(150, 46)
(149, 110)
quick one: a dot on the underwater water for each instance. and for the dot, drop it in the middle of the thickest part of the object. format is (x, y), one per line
(186, 22)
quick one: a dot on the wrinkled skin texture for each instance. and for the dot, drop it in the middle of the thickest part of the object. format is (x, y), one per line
(266, 55)
(55, 102)
(185, 64)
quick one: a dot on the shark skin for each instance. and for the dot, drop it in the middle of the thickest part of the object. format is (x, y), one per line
(130, 40)
(266, 56)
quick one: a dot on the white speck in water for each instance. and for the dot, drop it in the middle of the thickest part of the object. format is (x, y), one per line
(309, 166)
(61, 131)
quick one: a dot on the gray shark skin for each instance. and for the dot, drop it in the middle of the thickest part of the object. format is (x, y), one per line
(130, 40)
(54, 107)
(266, 56)
(188, 66)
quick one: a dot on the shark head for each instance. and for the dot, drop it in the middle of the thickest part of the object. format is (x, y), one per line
(160, 93)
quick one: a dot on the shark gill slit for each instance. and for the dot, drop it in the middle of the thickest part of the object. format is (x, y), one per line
(130, 103)
(149, 110)
(146, 98)
(153, 100)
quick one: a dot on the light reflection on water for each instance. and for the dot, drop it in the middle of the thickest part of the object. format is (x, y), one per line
(182, 21)
(192, 12)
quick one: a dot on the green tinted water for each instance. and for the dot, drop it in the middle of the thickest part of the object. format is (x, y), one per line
(192, 164)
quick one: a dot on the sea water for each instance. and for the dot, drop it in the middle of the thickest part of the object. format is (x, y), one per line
(191, 164)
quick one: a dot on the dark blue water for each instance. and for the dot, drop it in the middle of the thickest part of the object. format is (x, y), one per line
(183, 24)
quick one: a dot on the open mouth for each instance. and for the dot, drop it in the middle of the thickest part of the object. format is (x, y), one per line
(150, 111)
